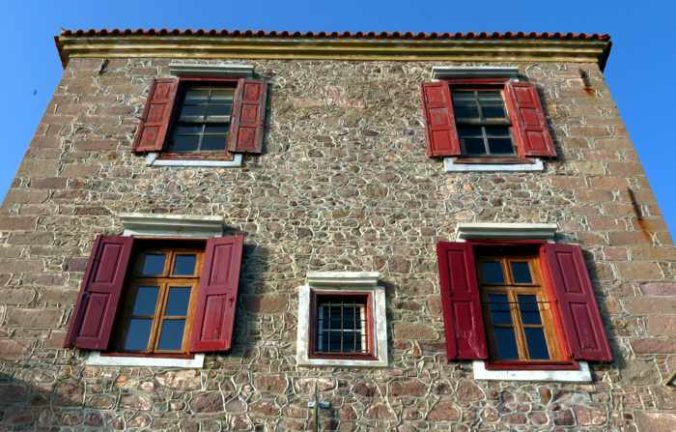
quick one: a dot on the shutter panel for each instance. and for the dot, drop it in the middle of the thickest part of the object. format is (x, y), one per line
(442, 135)
(152, 130)
(461, 302)
(567, 273)
(528, 120)
(217, 297)
(248, 118)
(100, 292)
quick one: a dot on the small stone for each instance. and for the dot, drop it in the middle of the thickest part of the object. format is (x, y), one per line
(207, 402)
(236, 406)
(468, 391)
(407, 387)
(364, 389)
(274, 384)
(587, 416)
(564, 418)
(380, 412)
(444, 411)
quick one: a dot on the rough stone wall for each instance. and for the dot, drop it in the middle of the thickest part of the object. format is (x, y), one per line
(344, 185)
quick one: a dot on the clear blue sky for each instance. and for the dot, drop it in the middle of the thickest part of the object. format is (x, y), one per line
(640, 72)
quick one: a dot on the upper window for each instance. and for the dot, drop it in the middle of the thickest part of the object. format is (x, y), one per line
(492, 120)
(519, 305)
(158, 297)
(203, 118)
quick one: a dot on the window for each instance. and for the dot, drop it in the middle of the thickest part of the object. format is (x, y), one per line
(341, 320)
(519, 304)
(341, 325)
(160, 297)
(156, 314)
(486, 120)
(208, 119)
(518, 320)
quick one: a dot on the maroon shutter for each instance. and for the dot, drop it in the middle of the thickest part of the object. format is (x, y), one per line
(247, 126)
(442, 135)
(528, 120)
(94, 314)
(217, 297)
(152, 130)
(461, 302)
(579, 312)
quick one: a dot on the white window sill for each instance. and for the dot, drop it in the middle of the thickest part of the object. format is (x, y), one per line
(152, 159)
(582, 375)
(96, 359)
(451, 164)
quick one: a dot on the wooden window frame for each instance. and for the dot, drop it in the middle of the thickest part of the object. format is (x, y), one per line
(369, 353)
(170, 248)
(489, 84)
(183, 83)
(520, 250)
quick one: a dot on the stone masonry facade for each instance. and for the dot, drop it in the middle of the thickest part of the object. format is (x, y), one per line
(343, 184)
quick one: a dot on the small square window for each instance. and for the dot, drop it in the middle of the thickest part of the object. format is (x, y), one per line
(342, 325)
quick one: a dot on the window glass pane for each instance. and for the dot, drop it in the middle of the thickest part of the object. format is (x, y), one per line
(177, 301)
(470, 132)
(505, 343)
(188, 130)
(153, 264)
(217, 128)
(219, 110)
(335, 340)
(491, 272)
(521, 272)
(171, 336)
(220, 95)
(214, 142)
(500, 146)
(462, 96)
(474, 146)
(192, 111)
(196, 95)
(537, 344)
(466, 112)
(500, 310)
(184, 143)
(184, 265)
(138, 334)
(145, 301)
(497, 131)
(490, 96)
(493, 111)
(530, 314)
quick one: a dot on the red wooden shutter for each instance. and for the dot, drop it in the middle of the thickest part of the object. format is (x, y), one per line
(152, 130)
(567, 273)
(100, 292)
(528, 120)
(247, 126)
(442, 135)
(217, 297)
(461, 302)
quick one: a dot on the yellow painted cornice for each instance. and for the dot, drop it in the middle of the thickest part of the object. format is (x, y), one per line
(404, 49)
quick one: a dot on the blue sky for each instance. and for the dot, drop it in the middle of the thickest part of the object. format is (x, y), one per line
(640, 71)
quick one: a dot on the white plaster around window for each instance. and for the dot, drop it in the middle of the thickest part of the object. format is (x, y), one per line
(95, 358)
(446, 72)
(513, 231)
(171, 225)
(152, 159)
(582, 375)
(229, 70)
(328, 282)
(452, 165)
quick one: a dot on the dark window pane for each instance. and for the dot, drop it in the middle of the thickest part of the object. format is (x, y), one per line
(491, 272)
(334, 345)
(500, 146)
(466, 112)
(213, 142)
(192, 111)
(171, 336)
(497, 131)
(521, 272)
(537, 344)
(221, 95)
(177, 301)
(216, 128)
(188, 130)
(462, 96)
(505, 343)
(499, 307)
(145, 301)
(530, 314)
(153, 264)
(470, 131)
(196, 95)
(184, 143)
(490, 95)
(184, 265)
(348, 342)
(474, 146)
(493, 111)
(219, 110)
(138, 334)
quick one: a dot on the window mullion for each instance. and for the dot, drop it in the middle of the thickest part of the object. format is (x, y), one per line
(159, 312)
(518, 325)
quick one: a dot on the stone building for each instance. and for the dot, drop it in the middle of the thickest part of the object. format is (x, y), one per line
(211, 230)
